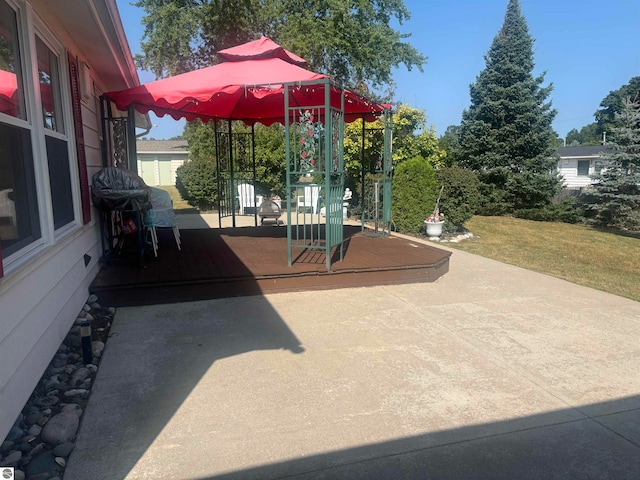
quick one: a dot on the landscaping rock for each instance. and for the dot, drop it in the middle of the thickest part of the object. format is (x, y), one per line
(64, 449)
(61, 428)
(41, 438)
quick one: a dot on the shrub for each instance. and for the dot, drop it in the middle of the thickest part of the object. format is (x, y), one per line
(197, 183)
(567, 211)
(460, 196)
(414, 194)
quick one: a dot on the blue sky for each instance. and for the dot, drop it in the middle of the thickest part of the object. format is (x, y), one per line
(587, 48)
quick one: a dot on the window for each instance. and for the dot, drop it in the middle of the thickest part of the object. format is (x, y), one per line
(19, 220)
(57, 145)
(35, 146)
(583, 168)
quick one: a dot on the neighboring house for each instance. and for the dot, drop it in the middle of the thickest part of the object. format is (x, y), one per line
(158, 160)
(577, 164)
(56, 58)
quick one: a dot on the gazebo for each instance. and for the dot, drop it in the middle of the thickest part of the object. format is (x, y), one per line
(262, 82)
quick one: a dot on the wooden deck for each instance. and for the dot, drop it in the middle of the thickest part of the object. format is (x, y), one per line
(216, 263)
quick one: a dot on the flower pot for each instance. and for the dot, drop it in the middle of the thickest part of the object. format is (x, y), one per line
(434, 229)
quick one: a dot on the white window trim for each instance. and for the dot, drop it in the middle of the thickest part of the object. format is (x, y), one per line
(29, 25)
(58, 49)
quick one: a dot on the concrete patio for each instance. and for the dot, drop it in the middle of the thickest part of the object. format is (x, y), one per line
(491, 372)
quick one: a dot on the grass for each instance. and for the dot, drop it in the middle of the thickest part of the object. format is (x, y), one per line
(180, 206)
(604, 260)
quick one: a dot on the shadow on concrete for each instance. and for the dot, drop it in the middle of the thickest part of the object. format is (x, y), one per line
(599, 441)
(154, 369)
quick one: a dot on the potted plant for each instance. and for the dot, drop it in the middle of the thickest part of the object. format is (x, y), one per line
(435, 221)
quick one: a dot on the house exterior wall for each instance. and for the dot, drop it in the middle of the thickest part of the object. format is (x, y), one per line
(45, 285)
(568, 169)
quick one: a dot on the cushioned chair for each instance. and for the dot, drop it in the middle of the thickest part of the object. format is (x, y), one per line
(310, 199)
(247, 199)
(161, 215)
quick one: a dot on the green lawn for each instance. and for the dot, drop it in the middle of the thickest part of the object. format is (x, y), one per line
(607, 261)
(179, 205)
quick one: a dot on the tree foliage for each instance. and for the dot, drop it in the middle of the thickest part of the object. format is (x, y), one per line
(508, 125)
(353, 42)
(411, 138)
(460, 195)
(414, 194)
(613, 104)
(617, 187)
(269, 153)
(588, 135)
(450, 143)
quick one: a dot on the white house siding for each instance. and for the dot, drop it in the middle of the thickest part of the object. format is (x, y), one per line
(42, 293)
(568, 169)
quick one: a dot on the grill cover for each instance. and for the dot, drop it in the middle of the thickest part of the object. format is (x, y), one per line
(116, 188)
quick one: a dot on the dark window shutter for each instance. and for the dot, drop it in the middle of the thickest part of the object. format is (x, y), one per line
(77, 122)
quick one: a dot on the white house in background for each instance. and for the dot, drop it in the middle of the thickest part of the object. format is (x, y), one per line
(57, 57)
(577, 164)
(158, 160)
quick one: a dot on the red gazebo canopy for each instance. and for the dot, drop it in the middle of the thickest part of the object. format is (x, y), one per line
(248, 85)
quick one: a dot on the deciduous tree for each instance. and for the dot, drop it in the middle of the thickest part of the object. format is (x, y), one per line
(614, 103)
(353, 42)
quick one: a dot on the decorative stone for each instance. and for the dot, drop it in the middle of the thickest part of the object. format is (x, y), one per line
(12, 459)
(111, 310)
(15, 433)
(95, 306)
(34, 430)
(33, 417)
(37, 449)
(91, 367)
(6, 447)
(60, 461)
(24, 447)
(82, 314)
(79, 375)
(73, 408)
(92, 298)
(61, 428)
(43, 463)
(41, 476)
(48, 401)
(97, 348)
(89, 317)
(75, 392)
(64, 449)
(86, 308)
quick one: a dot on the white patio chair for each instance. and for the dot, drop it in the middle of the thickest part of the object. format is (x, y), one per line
(310, 199)
(248, 199)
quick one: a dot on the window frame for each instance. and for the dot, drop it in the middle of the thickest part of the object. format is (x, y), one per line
(588, 162)
(47, 37)
(30, 26)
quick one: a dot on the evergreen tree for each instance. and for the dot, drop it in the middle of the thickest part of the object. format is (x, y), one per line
(617, 187)
(508, 125)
